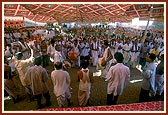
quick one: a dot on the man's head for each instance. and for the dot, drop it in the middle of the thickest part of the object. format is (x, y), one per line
(58, 65)
(58, 48)
(161, 57)
(151, 57)
(84, 40)
(19, 55)
(106, 43)
(119, 57)
(21, 39)
(52, 41)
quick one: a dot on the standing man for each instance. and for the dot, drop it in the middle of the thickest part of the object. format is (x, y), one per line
(84, 78)
(134, 54)
(148, 84)
(117, 78)
(143, 53)
(9, 85)
(24, 48)
(94, 51)
(37, 77)
(106, 60)
(22, 66)
(126, 52)
(61, 81)
(85, 50)
(45, 56)
(159, 78)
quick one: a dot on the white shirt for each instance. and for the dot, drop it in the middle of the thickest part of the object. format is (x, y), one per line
(127, 47)
(61, 81)
(85, 50)
(117, 78)
(58, 57)
(148, 75)
(51, 50)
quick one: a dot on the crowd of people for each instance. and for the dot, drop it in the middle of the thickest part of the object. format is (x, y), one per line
(26, 56)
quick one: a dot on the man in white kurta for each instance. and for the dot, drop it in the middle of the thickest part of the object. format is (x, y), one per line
(24, 48)
(22, 67)
(61, 81)
(58, 56)
(159, 78)
(37, 78)
(134, 54)
(117, 78)
(51, 48)
(148, 91)
(126, 52)
(94, 52)
(107, 56)
(119, 46)
(9, 85)
(85, 50)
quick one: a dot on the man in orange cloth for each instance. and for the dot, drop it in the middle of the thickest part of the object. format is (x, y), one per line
(84, 78)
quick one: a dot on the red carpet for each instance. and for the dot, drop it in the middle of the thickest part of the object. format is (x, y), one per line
(146, 106)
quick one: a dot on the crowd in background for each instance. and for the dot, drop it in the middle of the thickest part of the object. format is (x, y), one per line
(35, 50)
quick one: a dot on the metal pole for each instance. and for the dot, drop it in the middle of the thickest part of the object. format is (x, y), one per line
(150, 12)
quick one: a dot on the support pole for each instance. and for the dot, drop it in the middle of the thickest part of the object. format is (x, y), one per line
(150, 12)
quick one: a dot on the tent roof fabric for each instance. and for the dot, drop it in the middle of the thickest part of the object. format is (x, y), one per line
(63, 13)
